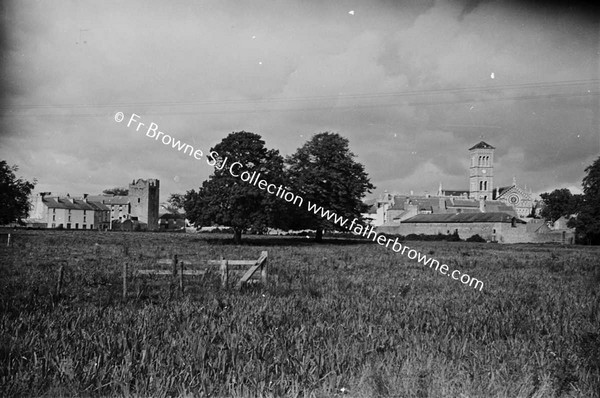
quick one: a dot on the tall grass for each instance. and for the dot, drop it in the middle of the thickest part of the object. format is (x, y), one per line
(342, 319)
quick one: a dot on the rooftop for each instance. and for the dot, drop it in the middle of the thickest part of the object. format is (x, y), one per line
(482, 145)
(463, 218)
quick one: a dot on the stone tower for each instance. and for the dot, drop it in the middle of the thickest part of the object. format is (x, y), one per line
(481, 171)
(144, 201)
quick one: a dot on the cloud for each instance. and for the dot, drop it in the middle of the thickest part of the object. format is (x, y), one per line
(407, 82)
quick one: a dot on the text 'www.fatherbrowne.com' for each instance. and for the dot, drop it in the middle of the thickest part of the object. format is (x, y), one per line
(236, 169)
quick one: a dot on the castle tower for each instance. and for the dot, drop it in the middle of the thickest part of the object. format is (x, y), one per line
(481, 171)
(144, 201)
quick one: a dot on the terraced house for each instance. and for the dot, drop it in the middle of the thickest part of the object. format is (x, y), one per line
(68, 213)
(136, 211)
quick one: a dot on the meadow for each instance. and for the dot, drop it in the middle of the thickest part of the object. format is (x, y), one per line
(341, 319)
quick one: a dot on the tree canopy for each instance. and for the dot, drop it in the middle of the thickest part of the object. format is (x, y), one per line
(587, 223)
(323, 171)
(226, 200)
(176, 201)
(14, 195)
(116, 191)
(559, 203)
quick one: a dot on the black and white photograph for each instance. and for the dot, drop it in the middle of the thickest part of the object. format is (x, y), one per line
(300, 198)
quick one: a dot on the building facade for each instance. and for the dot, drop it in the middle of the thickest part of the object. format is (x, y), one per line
(67, 213)
(496, 214)
(138, 210)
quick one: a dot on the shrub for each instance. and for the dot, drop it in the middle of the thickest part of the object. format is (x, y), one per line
(476, 238)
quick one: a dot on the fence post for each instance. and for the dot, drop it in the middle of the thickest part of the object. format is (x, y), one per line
(181, 276)
(264, 272)
(60, 280)
(174, 264)
(224, 273)
(8, 241)
(124, 280)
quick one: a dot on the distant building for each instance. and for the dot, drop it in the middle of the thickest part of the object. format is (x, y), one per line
(139, 209)
(67, 212)
(171, 219)
(516, 197)
(141, 205)
(496, 214)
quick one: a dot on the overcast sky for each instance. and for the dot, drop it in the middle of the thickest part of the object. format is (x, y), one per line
(412, 84)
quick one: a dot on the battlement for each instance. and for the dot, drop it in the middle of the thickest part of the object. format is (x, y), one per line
(140, 183)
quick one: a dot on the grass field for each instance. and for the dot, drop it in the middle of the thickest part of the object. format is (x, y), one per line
(343, 319)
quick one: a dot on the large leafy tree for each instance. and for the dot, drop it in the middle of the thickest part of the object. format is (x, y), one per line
(227, 200)
(14, 194)
(559, 203)
(324, 171)
(587, 222)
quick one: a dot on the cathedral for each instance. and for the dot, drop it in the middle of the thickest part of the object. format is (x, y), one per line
(481, 197)
(495, 214)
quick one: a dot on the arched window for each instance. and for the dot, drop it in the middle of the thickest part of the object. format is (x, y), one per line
(481, 185)
(485, 185)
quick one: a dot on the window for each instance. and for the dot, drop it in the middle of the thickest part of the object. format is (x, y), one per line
(76, 225)
(83, 226)
(84, 212)
(69, 211)
(53, 225)
(53, 210)
(68, 225)
(91, 226)
(84, 218)
(53, 217)
(139, 200)
(69, 218)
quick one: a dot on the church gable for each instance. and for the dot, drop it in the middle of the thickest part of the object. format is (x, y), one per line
(518, 198)
(514, 192)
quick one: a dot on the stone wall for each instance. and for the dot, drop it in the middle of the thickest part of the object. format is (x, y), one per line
(499, 232)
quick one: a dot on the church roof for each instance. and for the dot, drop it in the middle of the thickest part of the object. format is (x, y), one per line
(482, 145)
(501, 190)
(463, 218)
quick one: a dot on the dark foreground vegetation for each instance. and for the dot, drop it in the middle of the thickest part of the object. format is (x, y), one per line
(343, 318)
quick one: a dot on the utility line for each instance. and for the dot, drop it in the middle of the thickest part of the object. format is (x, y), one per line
(414, 93)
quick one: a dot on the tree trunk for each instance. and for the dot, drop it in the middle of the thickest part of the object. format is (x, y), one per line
(319, 235)
(237, 236)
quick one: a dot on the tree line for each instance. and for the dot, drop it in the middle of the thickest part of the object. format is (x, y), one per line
(581, 210)
(323, 171)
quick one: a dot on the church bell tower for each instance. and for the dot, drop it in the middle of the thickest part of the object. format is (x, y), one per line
(481, 171)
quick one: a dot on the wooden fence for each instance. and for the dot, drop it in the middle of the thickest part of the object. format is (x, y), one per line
(181, 268)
